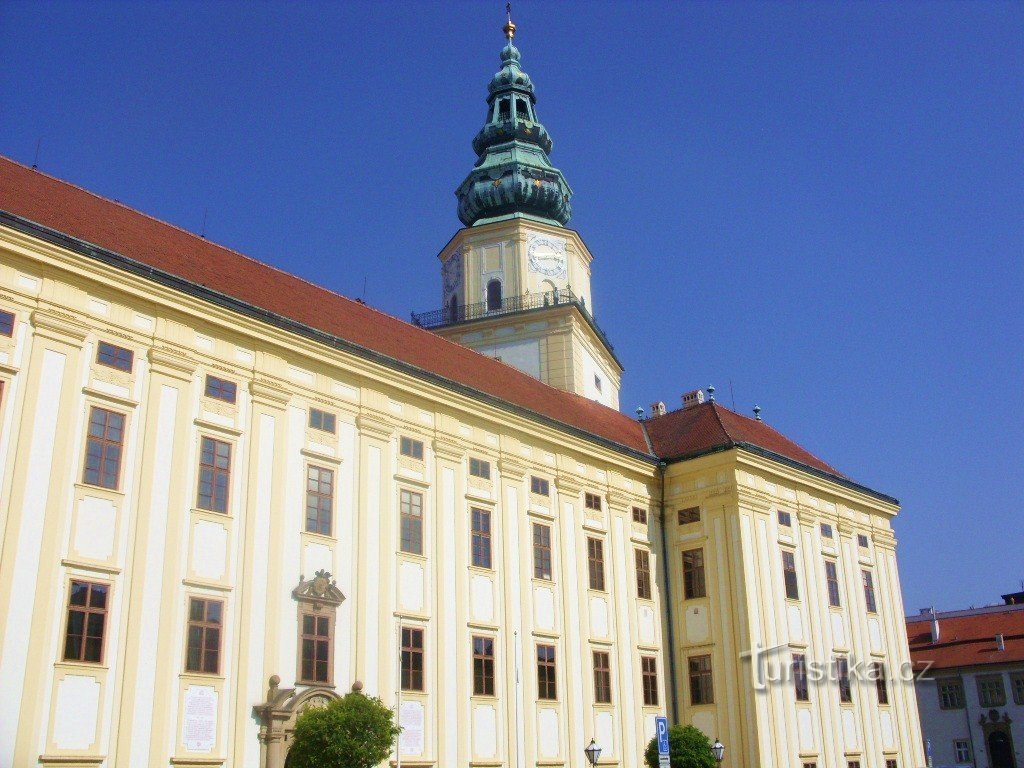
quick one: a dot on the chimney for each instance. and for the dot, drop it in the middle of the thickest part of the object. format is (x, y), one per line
(935, 626)
(690, 399)
(1000, 642)
(658, 409)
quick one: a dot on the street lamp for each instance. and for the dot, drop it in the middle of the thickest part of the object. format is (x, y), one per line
(718, 750)
(593, 752)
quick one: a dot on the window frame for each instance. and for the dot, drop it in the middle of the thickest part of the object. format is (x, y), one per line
(649, 680)
(602, 677)
(785, 518)
(483, 665)
(205, 626)
(542, 551)
(540, 486)
(410, 447)
(801, 689)
(410, 522)
(1017, 687)
(642, 563)
(317, 613)
(87, 609)
(480, 468)
(318, 496)
(868, 581)
(789, 575)
(951, 693)
(106, 444)
(216, 388)
(639, 515)
(962, 750)
(985, 698)
(825, 530)
(843, 679)
(592, 501)
(325, 418)
(481, 532)
(881, 683)
(835, 598)
(695, 586)
(595, 564)
(701, 680)
(688, 516)
(4, 315)
(115, 357)
(215, 472)
(862, 541)
(547, 672)
(411, 665)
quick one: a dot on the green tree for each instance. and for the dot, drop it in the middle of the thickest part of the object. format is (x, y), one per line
(688, 747)
(355, 731)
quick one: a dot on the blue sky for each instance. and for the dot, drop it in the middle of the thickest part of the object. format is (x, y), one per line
(816, 207)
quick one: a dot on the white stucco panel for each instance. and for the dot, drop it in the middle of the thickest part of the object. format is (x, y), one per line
(544, 608)
(524, 355)
(796, 624)
(317, 557)
(599, 616)
(838, 631)
(888, 738)
(605, 728)
(547, 732)
(705, 721)
(850, 739)
(875, 633)
(209, 549)
(74, 720)
(412, 720)
(645, 621)
(482, 592)
(805, 724)
(696, 625)
(94, 528)
(410, 581)
(485, 731)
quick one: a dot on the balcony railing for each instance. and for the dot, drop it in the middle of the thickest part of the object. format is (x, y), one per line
(530, 301)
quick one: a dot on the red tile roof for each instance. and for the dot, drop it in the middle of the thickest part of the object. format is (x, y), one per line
(76, 212)
(710, 426)
(966, 641)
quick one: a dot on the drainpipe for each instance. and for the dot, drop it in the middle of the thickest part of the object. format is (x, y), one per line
(673, 696)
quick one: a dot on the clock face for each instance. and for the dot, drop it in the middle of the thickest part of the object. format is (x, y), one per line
(547, 255)
(451, 273)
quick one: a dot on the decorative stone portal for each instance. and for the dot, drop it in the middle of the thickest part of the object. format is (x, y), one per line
(277, 717)
(998, 739)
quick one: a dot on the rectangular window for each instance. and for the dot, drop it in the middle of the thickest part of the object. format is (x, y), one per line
(411, 448)
(204, 624)
(881, 687)
(862, 541)
(115, 357)
(539, 486)
(221, 389)
(1017, 683)
(411, 508)
(483, 666)
(319, 500)
(789, 575)
(87, 619)
(315, 642)
(826, 531)
(962, 747)
(990, 691)
(643, 574)
(785, 519)
(640, 515)
(853, 764)
(693, 574)
(951, 694)
(6, 323)
(891, 764)
(602, 678)
(592, 501)
(689, 515)
(649, 677)
(322, 420)
(542, 551)
(103, 448)
(547, 688)
(843, 676)
(800, 677)
(869, 591)
(832, 581)
(810, 765)
(480, 468)
(595, 563)
(481, 537)
(701, 687)
(412, 659)
(214, 475)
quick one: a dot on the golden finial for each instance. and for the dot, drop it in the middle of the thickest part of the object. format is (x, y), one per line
(509, 28)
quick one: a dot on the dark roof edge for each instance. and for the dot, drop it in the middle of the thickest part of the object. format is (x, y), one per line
(765, 453)
(170, 280)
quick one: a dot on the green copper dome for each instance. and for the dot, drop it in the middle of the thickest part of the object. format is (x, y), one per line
(513, 174)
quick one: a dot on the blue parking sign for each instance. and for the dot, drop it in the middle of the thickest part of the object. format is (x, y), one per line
(661, 724)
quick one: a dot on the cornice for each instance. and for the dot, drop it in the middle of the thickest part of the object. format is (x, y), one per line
(266, 392)
(447, 450)
(569, 485)
(374, 427)
(59, 326)
(173, 363)
(510, 469)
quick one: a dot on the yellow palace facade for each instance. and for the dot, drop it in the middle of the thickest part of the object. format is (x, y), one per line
(228, 495)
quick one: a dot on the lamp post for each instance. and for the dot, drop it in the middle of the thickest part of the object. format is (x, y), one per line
(593, 752)
(718, 750)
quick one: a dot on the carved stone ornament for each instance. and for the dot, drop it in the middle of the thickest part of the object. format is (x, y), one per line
(320, 589)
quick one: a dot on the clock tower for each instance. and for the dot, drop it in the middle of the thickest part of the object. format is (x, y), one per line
(515, 280)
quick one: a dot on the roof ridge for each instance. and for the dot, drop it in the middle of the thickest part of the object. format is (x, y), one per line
(718, 418)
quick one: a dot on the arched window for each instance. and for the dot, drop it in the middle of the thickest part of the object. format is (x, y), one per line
(493, 295)
(505, 110)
